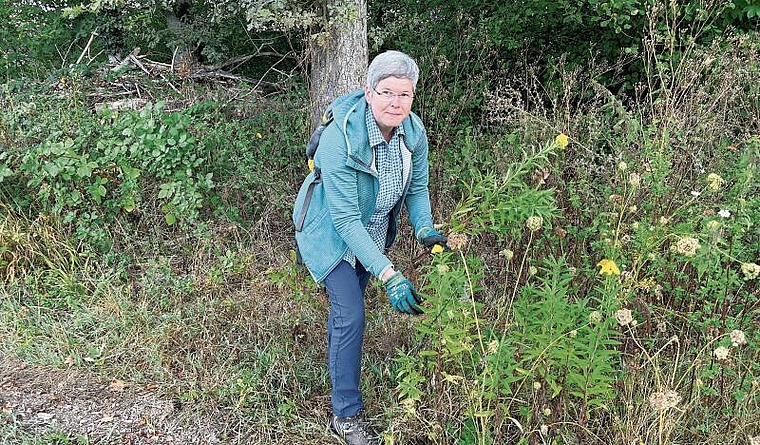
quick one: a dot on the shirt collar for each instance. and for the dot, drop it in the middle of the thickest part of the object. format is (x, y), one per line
(375, 135)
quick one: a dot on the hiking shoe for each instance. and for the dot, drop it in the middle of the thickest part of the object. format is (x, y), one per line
(354, 430)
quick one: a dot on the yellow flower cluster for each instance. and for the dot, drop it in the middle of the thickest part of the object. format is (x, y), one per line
(561, 140)
(608, 267)
(714, 181)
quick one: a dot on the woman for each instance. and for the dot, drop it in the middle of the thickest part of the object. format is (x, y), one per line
(371, 161)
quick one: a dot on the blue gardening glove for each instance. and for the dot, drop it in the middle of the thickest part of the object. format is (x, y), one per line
(429, 237)
(402, 294)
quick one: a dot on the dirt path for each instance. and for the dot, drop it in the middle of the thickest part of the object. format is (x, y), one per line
(41, 399)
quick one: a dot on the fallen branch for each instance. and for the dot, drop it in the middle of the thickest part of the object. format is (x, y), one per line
(86, 49)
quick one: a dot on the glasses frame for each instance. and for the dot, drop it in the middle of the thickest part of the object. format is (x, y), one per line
(389, 96)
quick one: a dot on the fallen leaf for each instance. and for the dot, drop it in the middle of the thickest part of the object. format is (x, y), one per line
(69, 360)
(117, 385)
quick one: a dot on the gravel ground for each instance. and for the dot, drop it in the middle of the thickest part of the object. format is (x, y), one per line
(41, 399)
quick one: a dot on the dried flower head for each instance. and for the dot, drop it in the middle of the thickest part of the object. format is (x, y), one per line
(507, 254)
(737, 337)
(687, 246)
(532, 270)
(634, 180)
(721, 353)
(714, 181)
(624, 317)
(534, 223)
(622, 166)
(457, 241)
(595, 317)
(723, 213)
(750, 271)
(536, 385)
(664, 400)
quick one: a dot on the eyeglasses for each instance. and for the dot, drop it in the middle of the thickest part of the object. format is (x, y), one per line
(388, 96)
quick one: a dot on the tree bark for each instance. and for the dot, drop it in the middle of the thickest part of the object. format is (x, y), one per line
(338, 57)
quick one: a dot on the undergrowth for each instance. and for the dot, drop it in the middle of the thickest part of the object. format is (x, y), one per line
(602, 285)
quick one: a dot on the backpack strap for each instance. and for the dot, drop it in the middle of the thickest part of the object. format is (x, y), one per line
(313, 144)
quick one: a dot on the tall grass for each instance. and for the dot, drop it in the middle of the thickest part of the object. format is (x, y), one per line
(603, 291)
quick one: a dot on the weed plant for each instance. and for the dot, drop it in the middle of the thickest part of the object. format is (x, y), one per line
(602, 285)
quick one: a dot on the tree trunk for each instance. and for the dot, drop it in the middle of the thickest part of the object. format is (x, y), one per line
(338, 57)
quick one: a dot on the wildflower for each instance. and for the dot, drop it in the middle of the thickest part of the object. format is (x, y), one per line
(534, 223)
(573, 333)
(713, 225)
(493, 347)
(536, 385)
(561, 140)
(507, 253)
(457, 241)
(608, 267)
(750, 271)
(258, 135)
(664, 400)
(695, 193)
(622, 166)
(595, 317)
(664, 220)
(436, 249)
(632, 209)
(547, 412)
(714, 181)
(532, 270)
(442, 268)
(687, 246)
(724, 213)
(721, 353)
(624, 317)
(634, 180)
(737, 337)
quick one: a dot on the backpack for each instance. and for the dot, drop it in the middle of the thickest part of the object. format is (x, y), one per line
(313, 144)
(311, 151)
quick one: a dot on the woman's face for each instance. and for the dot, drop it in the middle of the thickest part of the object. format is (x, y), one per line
(390, 113)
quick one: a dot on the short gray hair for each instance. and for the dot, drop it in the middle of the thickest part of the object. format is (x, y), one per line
(392, 64)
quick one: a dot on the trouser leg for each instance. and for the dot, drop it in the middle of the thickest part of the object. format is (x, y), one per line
(345, 333)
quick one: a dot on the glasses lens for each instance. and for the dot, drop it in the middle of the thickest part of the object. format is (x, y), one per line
(389, 96)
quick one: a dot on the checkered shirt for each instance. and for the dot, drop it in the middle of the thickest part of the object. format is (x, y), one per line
(389, 171)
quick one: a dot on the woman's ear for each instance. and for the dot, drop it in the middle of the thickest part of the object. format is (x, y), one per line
(367, 92)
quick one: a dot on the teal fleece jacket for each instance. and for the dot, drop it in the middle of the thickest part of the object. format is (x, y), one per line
(345, 191)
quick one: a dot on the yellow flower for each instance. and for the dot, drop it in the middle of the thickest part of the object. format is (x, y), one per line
(561, 140)
(714, 181)
(437, 249)
(608, 267)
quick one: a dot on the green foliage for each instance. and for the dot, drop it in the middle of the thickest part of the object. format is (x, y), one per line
(33, 40)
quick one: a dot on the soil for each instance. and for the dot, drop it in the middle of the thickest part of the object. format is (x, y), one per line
(43, 399)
